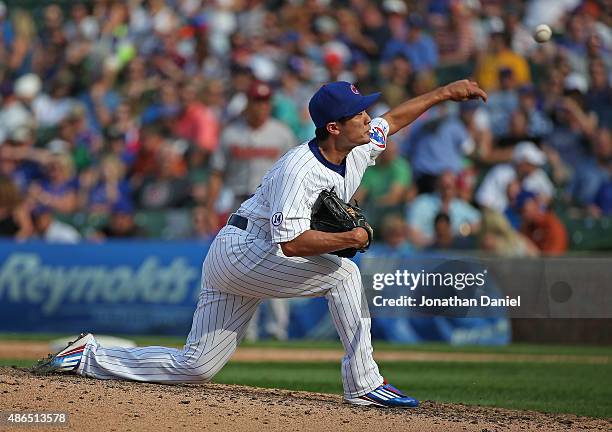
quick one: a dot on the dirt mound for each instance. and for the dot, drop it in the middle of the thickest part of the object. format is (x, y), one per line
(119, 405)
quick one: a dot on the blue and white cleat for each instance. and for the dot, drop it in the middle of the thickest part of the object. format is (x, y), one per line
(385, 396)
(67, 360)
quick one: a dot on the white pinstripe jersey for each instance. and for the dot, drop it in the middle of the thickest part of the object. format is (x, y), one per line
(282, 204)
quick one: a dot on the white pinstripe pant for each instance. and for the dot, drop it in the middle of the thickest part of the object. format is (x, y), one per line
(239, 271)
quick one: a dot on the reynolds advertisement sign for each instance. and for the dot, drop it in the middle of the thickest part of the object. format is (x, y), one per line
(123, 287)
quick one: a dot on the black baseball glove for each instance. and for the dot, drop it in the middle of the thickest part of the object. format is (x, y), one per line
(331, 214)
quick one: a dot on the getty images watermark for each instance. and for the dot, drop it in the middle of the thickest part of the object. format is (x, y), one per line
(457, 281)
(483, 287)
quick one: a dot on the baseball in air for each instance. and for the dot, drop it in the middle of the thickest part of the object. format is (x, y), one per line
(542, 33)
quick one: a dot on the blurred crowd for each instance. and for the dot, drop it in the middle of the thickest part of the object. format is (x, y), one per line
(110, 109)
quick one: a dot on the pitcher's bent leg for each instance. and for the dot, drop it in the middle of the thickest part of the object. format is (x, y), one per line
(219, 324)
(349, 312)
(268, 273)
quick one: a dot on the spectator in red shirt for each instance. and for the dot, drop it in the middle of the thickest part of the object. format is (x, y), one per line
(541, 225)
(196, 122)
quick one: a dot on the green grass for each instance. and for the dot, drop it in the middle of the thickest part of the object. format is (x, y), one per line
(553, 387)
(582, 350)
(18, 363)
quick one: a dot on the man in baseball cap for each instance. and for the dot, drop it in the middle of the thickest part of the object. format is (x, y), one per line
(338, 111)
(347, 142)
(260, 91)
(336, 101)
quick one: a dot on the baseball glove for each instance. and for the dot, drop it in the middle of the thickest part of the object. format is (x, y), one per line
(331, 214)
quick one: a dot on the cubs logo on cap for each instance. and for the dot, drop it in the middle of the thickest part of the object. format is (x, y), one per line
(338, 100)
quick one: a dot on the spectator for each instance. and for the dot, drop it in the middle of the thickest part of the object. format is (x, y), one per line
(124, 136)
(594, 171)
(399, 78)
(101, 188)
(51, 109)
(84, 144)
(202, 228)
(58, 190)
(385, 185)
(101, 100)
(522, 39)
(599, 95)
(538, 123)
(196, 122)
(541, 226)
(20, 161)
(512, 212)
(423, 210)
(52, 230)
(498, 57)
(353, 35)
(444, 238)
(166, 109)
(466, 182)
(168, 187)
(518, 131)
(14, 114)
(375, 28)
(395, 235)
(20, 43)
(121, 224)
(454, 35)
(15, 220)
(248, 148)
(499, 238)
(418, 47)
(140, 87)
(526, 167)
(436, 145)
(574, 39)
(502, 102)
(7, 33)
(573, 127)
(147, 161)
(289, 106)
(478, 125)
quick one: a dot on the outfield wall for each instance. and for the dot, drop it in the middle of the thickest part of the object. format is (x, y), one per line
(152, 288)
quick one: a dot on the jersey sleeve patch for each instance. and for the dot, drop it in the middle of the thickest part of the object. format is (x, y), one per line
(379, 129)
(378, 137)
(277, 219)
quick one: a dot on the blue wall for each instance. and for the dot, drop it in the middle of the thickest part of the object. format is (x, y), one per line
(152, 288)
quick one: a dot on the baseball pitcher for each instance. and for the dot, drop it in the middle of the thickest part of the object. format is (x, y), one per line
(275, 246)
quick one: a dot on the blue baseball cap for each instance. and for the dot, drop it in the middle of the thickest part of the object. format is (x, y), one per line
(337, 100)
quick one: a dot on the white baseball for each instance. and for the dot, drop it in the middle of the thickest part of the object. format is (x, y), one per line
(542, 33)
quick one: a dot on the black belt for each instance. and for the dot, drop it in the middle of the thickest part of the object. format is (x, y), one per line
(238, 221)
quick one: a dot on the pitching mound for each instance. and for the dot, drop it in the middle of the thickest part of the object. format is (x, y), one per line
(119, 406)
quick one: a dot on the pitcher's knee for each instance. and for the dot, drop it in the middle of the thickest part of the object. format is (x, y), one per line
(203, 373)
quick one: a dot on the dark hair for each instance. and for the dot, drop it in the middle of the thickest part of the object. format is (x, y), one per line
(442, 217)
(321, 132)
